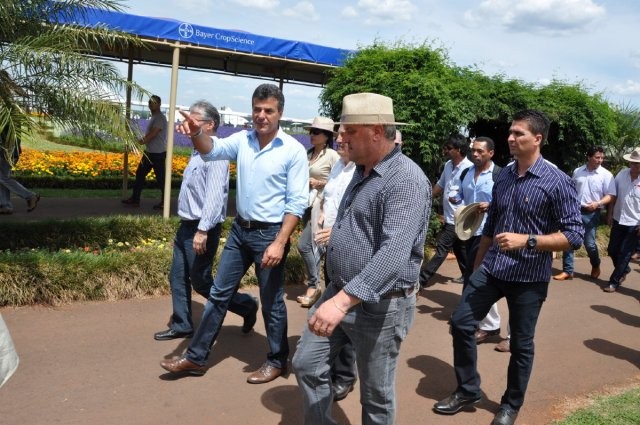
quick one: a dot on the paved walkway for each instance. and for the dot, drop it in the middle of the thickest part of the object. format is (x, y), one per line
(97, 363)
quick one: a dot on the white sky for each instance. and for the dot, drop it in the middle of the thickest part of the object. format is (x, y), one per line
(595, 42)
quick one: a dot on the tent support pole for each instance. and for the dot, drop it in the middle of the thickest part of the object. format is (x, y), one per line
(170, 133)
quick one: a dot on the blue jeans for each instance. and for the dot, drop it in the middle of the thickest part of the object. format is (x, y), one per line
(447, 239)
(623, 242)
(149, 161)
(310, 254)
(190, 270)
(525, 302)
(8, 184)
(244, 247)
(376, 332)
(590, 222)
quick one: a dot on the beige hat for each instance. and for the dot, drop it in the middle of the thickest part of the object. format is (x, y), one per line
(367, 108)
(321, 123)
(634, 156)
(467, 221)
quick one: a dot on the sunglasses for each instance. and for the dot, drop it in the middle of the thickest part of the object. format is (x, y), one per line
(315, 131)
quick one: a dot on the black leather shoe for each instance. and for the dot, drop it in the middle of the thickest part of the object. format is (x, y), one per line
(171, 334)
(342, 389)
(454, 403)
(250, 320)
(505, 417)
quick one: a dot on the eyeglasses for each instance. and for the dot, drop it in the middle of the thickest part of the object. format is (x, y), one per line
(315, 131)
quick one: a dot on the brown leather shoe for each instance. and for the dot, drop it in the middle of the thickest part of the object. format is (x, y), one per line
(266, 373)
(595, 272)
(503, 346)
(32, 202)
(563, 276)
(482, 335)
(183, 366)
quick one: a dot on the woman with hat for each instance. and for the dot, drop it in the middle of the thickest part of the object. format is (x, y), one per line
(321, 159)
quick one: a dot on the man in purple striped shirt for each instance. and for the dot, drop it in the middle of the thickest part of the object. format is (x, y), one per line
(535, 212)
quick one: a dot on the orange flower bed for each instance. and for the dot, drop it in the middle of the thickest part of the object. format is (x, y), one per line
(87, 164)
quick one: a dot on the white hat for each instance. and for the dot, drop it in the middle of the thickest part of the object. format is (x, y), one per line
(321, 123)
(367, 108)
(467, 220)
(633, 156)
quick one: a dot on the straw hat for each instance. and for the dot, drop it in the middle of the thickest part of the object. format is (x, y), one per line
(467, 220)
(368, 108)
(634, 156)
(321, 123)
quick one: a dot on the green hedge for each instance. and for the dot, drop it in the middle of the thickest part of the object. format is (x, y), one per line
(109, 258)
(68, 182)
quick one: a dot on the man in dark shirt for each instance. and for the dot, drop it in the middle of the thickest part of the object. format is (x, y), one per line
(534, 212)
(373, 261)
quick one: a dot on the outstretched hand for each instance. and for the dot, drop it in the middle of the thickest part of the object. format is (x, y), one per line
(188, 126)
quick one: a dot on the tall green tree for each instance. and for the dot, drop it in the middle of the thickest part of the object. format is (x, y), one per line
(425, 87)
(438, 98)
(50, 69)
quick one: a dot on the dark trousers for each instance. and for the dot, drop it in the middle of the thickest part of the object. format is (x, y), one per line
(525, 302)
(149, 161)
(190, 270)
(623, 241)
(447, 239)
(471, 246)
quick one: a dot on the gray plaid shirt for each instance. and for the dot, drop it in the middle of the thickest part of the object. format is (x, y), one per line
(377, 241)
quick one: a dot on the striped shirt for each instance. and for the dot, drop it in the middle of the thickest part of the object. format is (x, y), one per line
(377, 241)
(204, 192)
(541, 202)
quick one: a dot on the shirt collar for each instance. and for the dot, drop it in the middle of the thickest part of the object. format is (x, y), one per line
(276, 141)
(537, 169)
(383, 165)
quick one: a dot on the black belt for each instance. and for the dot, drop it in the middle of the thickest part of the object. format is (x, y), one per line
(401, 293)
(251, 224)
(190, 222)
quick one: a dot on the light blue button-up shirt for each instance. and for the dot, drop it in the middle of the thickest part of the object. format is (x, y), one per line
(271, 182)
(472, 190)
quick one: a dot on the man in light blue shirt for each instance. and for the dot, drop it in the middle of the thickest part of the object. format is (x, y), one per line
(202, 207)
(272, 194)
(456, 148)
(476, 185)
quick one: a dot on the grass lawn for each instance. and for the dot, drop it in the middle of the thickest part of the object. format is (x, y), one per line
(619, 409)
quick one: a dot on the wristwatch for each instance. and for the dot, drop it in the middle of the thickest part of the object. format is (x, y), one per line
(532, 242)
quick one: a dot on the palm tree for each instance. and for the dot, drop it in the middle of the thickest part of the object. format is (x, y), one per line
(51, 69)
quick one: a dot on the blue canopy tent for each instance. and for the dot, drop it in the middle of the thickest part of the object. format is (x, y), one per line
(228, 51)
(196, 47)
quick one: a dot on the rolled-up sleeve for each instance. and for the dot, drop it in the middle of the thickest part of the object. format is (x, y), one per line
(297, 192)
